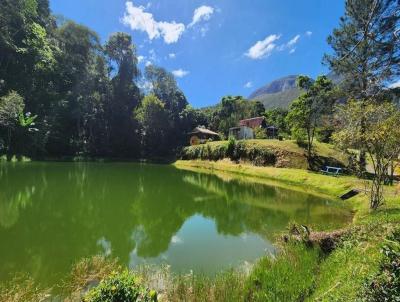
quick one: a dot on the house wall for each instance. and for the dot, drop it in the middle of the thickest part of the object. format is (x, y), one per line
(242, 132)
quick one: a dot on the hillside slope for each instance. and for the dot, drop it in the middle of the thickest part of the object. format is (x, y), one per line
(266, 152)
(277, 94)
(281, 92)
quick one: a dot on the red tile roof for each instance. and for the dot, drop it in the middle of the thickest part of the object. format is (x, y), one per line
(252, 122)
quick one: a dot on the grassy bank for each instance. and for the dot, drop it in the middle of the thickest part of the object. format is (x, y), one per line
(350, 271)
(299, 179)
(266, 152)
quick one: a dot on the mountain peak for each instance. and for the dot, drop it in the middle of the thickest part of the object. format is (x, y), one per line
(278, 93)
(276, 86)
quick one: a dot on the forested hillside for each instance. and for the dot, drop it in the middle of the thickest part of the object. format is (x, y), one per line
(64, 93)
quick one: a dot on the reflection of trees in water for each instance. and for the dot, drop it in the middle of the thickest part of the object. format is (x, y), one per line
(77, 210)
(11, 206)
(14, 199)
(261, 209)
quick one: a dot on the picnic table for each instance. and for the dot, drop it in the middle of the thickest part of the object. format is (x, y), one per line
(335, 171)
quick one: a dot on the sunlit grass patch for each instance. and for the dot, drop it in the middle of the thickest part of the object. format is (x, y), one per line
(289, 277)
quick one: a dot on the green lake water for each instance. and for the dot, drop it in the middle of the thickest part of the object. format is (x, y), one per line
(53, 214)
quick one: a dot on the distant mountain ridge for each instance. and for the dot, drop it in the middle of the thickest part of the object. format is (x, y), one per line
(277, 86)
(278, 93)
(281, 92)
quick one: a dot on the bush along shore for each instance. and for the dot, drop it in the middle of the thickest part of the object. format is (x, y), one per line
(357, 263)
(259, 152)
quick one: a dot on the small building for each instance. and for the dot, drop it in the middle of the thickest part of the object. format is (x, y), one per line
(255, 122)
(241, 132)
(259, 122)
(201, 135)
(272, 132)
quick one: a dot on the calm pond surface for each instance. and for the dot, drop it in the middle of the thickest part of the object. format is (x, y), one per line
(53, 214)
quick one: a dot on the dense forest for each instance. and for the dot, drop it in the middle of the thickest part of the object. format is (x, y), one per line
(64, 93)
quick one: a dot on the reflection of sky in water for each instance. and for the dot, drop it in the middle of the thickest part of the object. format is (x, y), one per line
(197, 246)
(105, 246)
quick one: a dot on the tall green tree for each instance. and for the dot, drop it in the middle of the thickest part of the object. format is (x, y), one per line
(366, 50)
(230, 111)
(124, 131)
(26, 47)
(164, 86)
(74, 84)
(380, 136)
(153, 117)
(277, 117)
(307, 111)
(83, 92)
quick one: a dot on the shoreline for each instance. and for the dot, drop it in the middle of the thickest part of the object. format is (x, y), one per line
(289, 178)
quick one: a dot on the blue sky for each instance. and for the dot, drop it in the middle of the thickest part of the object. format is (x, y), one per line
(217, 47)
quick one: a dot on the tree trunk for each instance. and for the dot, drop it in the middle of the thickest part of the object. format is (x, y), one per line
(391, 178)
(376, 197)
(362, 160)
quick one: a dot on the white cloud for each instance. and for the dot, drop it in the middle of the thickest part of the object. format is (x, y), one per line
(289, 45)
(176, 240)
(141, 58)
(262, 48)
(171, 31)
(204, 29)
(293, 41)
(308, 33)
(105, 245)
(172, 56)
(180, 73)
(202, 13)
(248, 84)
(395, 84)
(137, 19)
(148, 63)
(145, 85)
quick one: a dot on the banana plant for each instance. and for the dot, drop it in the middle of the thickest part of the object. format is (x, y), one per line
(27, 120)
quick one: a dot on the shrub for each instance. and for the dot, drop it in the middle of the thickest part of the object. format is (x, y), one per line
(260, 133)
(385, 285)
(260, 156)
(239, 151)
(300, 136)
(235, 150)
(120, 287)
(231, 146)
(88, 271)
